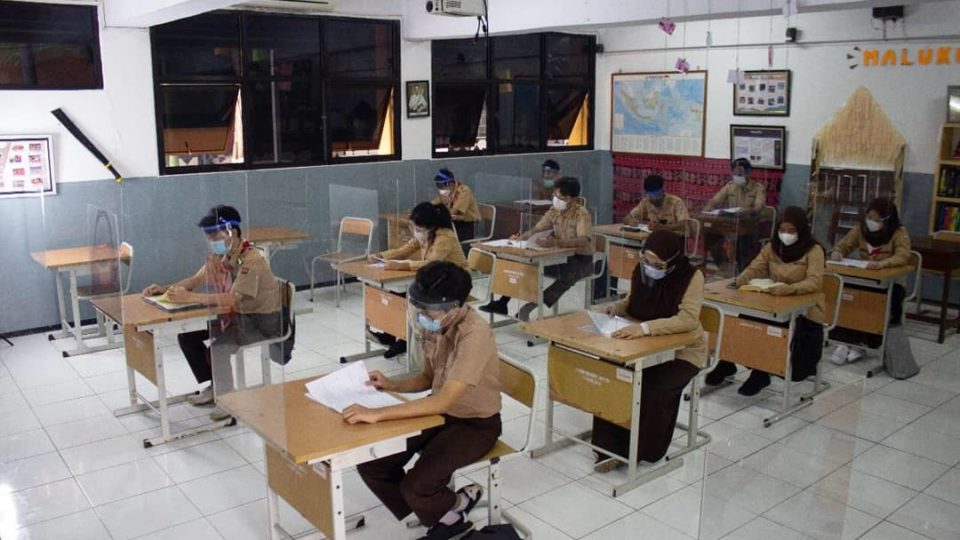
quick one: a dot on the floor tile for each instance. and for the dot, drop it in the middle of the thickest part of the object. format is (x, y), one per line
(821, 517)
(103, 454)
(32, 472)
(249, 522)
(899, 467)
(84, 525)
(889, 531)
(135, 478)
(917, 393)
(225, 490)
(892, 407)
(24, 445)
(764, 529)
(864, 492)
(930, 517)
(947, 487)
(198, 461)
(732, 442)
(85, 431)
(44, 395)
(829, 443)
(854, 421)
(71, 410)
(248, 445)
(200, 529)
(751, 419)
(41, 503)
(686, 509)
(748, 489)
(576, 509)
(793, 466)
(927, 443)
(528, 479)
(147, 513)
(638, 497)
(633, 524)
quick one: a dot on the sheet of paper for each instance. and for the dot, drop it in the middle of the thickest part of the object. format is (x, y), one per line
(856, 263)
(164, 303)
(606, 324)
(348, 386)
(637, 228)
(380, 264)
(535, 202)
(506, 242)
(711, 212)
(733, 210)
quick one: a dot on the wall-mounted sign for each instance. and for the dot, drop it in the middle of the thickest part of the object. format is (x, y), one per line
(26, 165)
(764, 146)
(888, 57)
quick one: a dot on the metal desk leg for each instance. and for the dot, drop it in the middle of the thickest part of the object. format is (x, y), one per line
(882, 350)
(273, 512)
(634, 420)
(786, 410)
(64, 325)
(944, 302)
(75, 307)
(367, 351)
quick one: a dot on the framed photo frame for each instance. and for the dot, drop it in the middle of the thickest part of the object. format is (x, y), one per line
(658, 113)
(764, 146)
(762, 93)
(418, 99)
(26, 166)
(953, 104)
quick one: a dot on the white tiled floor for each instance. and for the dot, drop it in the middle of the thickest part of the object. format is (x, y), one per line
(874, 459)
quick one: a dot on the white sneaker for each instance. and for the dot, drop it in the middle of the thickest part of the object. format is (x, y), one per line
(855, 354)
(839, 356)
(203, 397)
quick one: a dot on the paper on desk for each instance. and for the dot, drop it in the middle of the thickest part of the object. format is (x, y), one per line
(163, 302)
(606, 324)
(531, 243)
(636, 228)
(535, 202)
(856, 263)
(348, 386)
(720, 211)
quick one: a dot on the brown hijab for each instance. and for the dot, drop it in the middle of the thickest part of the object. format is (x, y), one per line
(652, 299)
(797, 217)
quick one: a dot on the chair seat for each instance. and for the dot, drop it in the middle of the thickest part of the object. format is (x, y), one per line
(499, 450)
(102, 289)
(338, 256)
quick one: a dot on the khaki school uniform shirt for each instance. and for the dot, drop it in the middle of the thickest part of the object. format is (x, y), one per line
(672, 211)
(252, 282)
(461, 203)
(444, 247)
(473, 361)
(894, 253)
(804, 275)
(752, 196)
(571, 228)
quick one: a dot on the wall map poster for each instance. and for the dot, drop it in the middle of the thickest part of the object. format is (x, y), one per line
(658, 113)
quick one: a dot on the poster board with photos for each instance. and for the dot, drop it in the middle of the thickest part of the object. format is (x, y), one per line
(26, 166)
(953, 105)
(762, 93)
(658, 113)
(764, 146)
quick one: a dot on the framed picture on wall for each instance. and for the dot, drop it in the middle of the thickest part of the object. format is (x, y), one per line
(418, 99)
(764, 146)
(658, 113)
(953, 104)
(26, 166)
(762, 93)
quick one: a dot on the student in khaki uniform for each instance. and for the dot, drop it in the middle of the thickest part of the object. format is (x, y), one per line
(796, 260)
(238, 278)
(666, 293)
(658, 209)
(749, 197)
(433, 240)
(881, 240)
(462, 369)
(460, 201)
(543, 189)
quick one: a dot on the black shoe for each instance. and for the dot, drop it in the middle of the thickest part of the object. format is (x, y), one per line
(757, 381)
(396, 349)
(720, 373)
(495, 306)
(384, 338)
(442, 531)
(471, 501)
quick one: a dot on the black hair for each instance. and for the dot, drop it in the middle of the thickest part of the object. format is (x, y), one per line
(551, 164)
(441, 281)
(654, 182)
(431, 216)
(221, 215)
(568, 186)
(741, 162)
(448, 176)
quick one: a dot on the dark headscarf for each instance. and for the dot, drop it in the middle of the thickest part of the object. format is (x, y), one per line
(657, 299)
(891, 222)
(797, 217)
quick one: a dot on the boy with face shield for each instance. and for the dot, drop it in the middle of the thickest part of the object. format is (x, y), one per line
(658, 210)
(743, 193)
(462, 370)
(460, 201)
(549, 174)
(238, 278)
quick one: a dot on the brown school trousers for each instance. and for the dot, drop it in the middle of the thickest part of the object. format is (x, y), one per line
(424, 488)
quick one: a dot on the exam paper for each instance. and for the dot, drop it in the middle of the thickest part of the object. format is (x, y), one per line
(348, 386)
(606, 324)
(720, 211)
(535, 202)
(636, 228)
(856, 263)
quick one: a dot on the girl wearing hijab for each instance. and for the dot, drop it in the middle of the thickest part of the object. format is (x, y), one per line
(796, 260)
(881, 240)
(666, 293)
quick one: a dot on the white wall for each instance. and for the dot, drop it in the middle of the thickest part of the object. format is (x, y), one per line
(913, 97)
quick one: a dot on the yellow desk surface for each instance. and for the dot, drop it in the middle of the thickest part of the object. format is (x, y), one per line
(567, 330)
(75, 256)
(365, 272)
(275, 234)
(133, 310)
(305, 430)
(616, 229)
(526, 253)
(718, 292)
(881, 274)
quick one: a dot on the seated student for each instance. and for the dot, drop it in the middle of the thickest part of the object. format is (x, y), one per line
(239, 279)
(666, 293)
(796, 260)
(462, 369)
(570, 226)
(543, 189)
(433, 240)
(460, 201)
(658, 209)
(881, 240)
(742, 193)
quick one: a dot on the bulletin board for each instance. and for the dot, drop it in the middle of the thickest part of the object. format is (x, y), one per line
(26, 166)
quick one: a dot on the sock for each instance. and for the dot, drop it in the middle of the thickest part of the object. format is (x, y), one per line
(451, 517)
(467, 494)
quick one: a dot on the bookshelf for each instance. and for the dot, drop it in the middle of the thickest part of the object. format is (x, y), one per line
(945, 206)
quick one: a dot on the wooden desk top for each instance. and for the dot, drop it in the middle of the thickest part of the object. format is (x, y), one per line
(568, 330)
(718, 292)
(133, 310)
(363, 271)
(305, 430)
(616, 229)
(275, 234)
(927, 244)
(75, 256)
(527, 253)
(881, 274)
(726, 218)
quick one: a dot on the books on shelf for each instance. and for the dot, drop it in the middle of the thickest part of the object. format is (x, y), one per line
(949, 182)
(948, 218)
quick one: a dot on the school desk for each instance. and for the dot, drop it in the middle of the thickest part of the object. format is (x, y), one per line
(518, 272)
(866, 306)
(621, 248)
(75, 262)
(274, 239)
(144, 327)
(943, 257)
(763, 341)
(384, 306)
(604, 377)
(308, 447)
(515, 217)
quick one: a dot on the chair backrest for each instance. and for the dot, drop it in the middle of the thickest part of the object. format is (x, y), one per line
(692, 229)
(833, 295)
(126, 258)
(952, 236)
(488, 215)
(520, 383)
(768, 215)
(711, 318)
(358, 227)
(916, 261)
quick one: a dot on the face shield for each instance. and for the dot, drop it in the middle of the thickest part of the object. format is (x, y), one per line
(219, 237)
(428, 312)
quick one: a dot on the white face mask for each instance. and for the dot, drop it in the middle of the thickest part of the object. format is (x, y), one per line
(420, 236)
(874, 226)
(559, 204)
(739, 180)
(653, 272)
(788, 239)
(444, 192)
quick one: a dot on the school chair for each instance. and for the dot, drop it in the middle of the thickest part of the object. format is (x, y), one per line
(916, 261)
(692, 229)
(950, 236)
(101, 290)
(354, 226)
(488, 216)
(599, 256)
(287, 325)
(711, 319)
(833, 297)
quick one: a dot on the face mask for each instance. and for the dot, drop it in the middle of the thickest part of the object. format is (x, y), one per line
(874, 226)
(653, 272)
(548, 183)
(657, 201)
(788, 239)
(739, 180)
(428, 324)
(559, 204)
(420, 236)
(219, 247)
(444, 192)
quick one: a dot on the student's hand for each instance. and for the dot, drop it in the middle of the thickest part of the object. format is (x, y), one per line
(153, 290)
(373, 258)
(633, 331)
(358, 414)
(379, 381)
(396, 265)
(631, 221)
(654, 226)
(836, 256)
(515, 237)
(873, 265)
(611, 310)
(780, 290)
(546, 241)
(179, 295)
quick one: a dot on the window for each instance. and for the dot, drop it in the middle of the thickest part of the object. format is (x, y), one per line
(530, 93)
(251, 90)
(49, 47)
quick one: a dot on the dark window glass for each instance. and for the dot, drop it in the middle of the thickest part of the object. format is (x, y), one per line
(459, 118)
(516, 57)
(359, 49)
(568, 56)
(47, 46)
(568, 116)
(205, 46)
(201, 125)
(460, 59)
(517, 117)
(361, 120)
(282, 46)
(284, 122)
